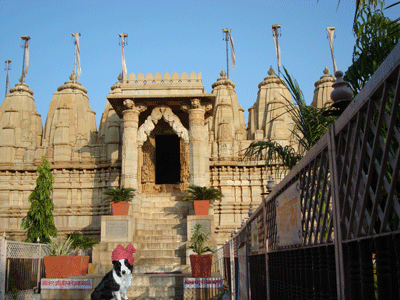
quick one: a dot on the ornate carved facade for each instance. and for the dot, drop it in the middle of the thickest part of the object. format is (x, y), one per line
(145, 117)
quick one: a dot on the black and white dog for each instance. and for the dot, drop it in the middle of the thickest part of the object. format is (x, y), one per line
(115, 283)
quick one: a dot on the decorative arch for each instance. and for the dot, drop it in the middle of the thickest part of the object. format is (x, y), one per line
(166, 113)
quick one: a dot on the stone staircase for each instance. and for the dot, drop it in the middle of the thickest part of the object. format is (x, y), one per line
(160, 240)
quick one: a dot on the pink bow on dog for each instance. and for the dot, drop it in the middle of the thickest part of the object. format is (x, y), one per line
(121, 253)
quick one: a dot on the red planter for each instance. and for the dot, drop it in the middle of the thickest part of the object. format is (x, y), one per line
(65, 266)
(201, 207)
(201, 265)
(120, 208)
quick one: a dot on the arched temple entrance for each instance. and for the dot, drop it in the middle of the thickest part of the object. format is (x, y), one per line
(165, 152)
(168, 163)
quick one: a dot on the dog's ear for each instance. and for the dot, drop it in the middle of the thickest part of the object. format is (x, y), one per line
(116, 263)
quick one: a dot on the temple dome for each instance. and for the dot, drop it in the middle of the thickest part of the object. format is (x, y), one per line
(268, 118)
(110, 134)
(227, 124)
(21, 126)
(70, 128)
(323, 90)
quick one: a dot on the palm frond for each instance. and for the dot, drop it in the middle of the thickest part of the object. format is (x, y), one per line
(203, 193)
(118, 194)
(309, 125)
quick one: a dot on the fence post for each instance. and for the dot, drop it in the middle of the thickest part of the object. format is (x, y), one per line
(340, 277)
(3, 262)
(266, 243)
(232, 264)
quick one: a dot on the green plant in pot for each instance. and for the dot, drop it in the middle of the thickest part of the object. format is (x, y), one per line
(201, 197)
(200, 262)
(119, 197)
(59, 263)
(82, 243)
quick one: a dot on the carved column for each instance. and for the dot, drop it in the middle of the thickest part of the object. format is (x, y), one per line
(129, 148)
(198, 145)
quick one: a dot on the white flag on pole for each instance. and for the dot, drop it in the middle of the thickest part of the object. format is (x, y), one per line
(26, 58)
(78, 55)
(277, 48)
(232, 50)
(331, 34)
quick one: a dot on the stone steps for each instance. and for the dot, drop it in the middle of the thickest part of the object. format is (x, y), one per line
(160, 245)
(165, 210)
(154, 260)
(142, 269)
(160, 215)
(160, 226)
(160, 239)
(156, 286)
(159, 219)
(161, 232)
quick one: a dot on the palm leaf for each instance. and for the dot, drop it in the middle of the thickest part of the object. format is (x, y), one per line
(310, 124)
(118, 194)
(203, 193)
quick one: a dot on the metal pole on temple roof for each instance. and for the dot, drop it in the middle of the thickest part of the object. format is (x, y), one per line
(226, 39)
(8, 67)
(25, 59)
(276, 31)
(77, 55)
(123, 41)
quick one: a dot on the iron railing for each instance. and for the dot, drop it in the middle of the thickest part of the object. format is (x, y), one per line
(348, 195)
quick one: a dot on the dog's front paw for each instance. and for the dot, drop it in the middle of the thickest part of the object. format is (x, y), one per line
(125, 297)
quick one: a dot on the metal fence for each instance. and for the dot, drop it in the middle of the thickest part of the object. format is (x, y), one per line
(331, 228)
(21, 268)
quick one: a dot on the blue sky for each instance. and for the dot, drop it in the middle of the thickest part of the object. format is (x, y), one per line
(172, 36)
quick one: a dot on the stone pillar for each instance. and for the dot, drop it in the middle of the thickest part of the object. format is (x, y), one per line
(198, 145)
(129, 145)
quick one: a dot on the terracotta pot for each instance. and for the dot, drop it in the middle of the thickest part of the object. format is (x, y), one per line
(201, 207)
(65, 266)
(201, 265)
(120, 208)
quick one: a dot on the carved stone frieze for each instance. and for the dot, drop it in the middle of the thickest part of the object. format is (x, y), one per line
(166, 113)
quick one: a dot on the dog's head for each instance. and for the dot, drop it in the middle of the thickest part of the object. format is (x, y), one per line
(122, 267)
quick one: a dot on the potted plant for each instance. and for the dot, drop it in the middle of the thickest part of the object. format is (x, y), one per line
(200, 262)
(57, 258)
(59, 264)
(201, 197)
(120, 198)
(82, 244)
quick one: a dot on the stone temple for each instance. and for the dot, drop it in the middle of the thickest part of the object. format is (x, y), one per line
(158, 134)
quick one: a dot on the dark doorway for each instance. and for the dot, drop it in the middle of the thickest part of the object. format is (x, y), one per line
(168, 165)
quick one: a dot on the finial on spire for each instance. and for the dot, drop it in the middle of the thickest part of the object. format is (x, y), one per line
(326, 70)
(72, 77)
(223, 73)
(120, 77)
(271, 71)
